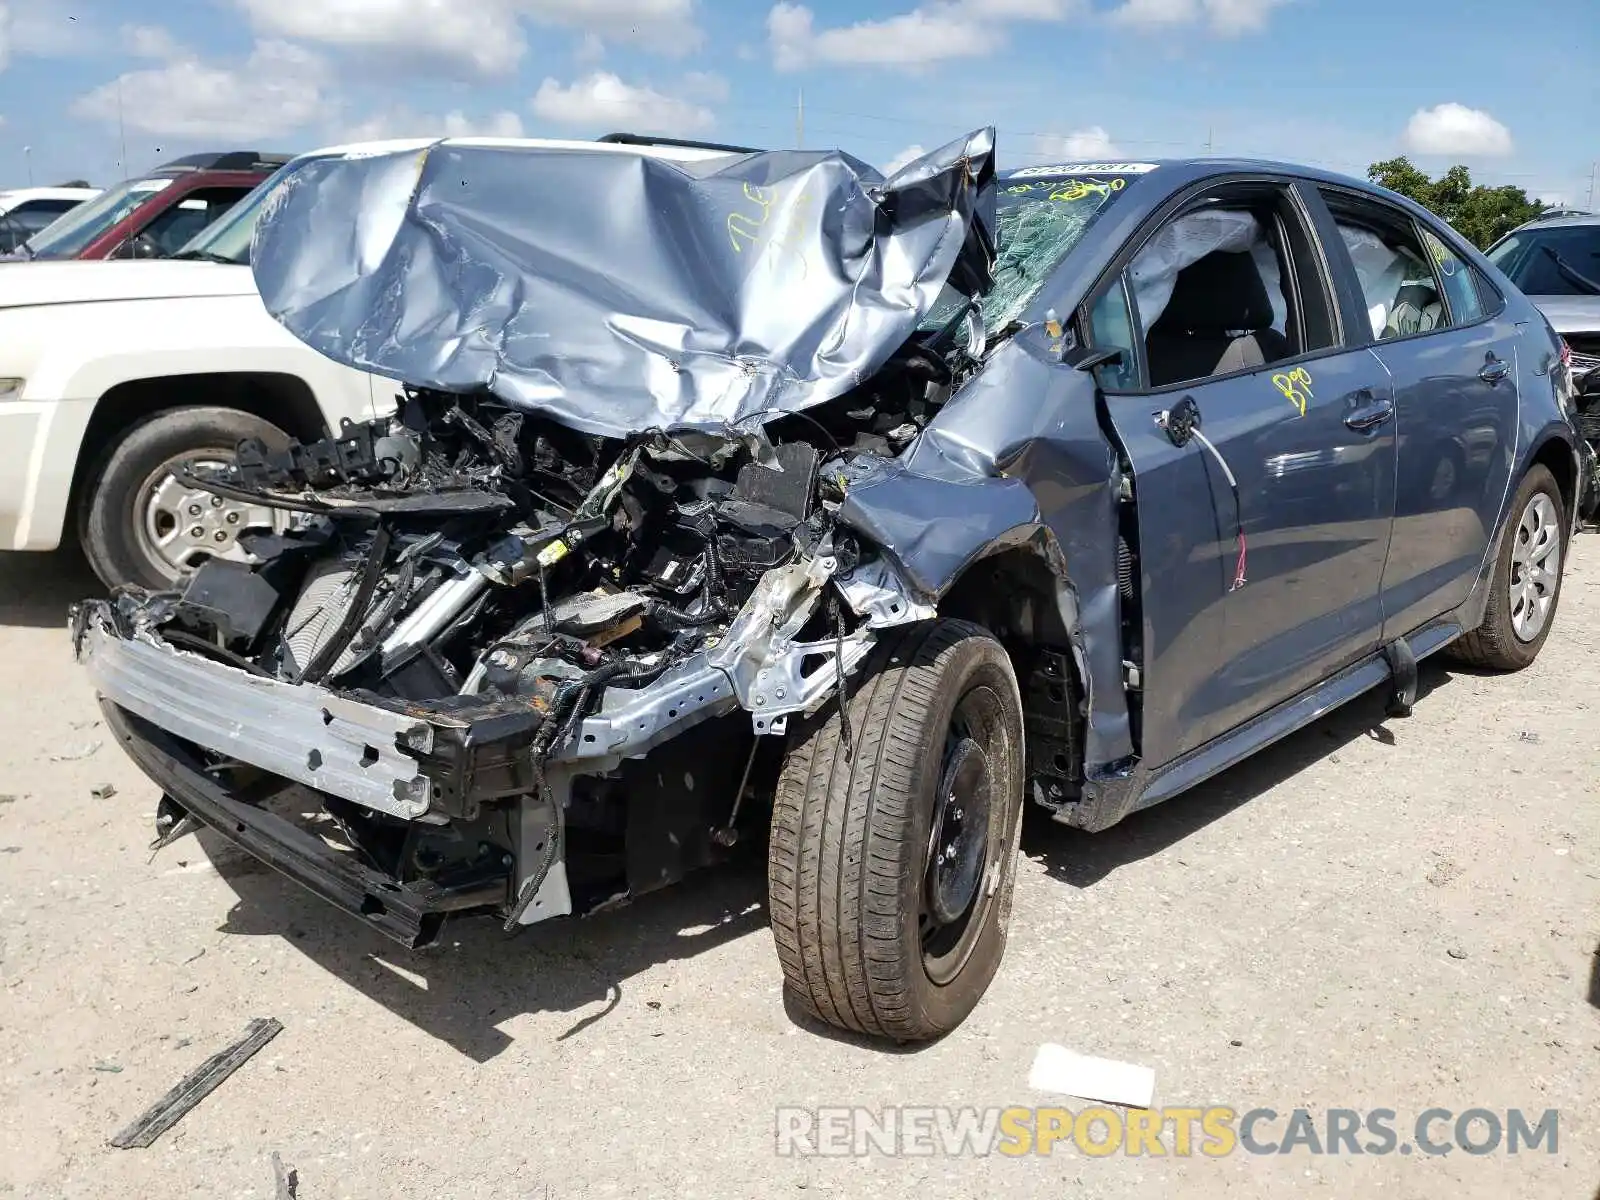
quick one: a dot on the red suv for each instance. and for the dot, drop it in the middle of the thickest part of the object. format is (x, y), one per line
(154, 215)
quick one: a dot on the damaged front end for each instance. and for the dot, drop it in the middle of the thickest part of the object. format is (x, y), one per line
(515, 660)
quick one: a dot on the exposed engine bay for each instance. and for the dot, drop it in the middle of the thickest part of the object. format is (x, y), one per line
(537, 609)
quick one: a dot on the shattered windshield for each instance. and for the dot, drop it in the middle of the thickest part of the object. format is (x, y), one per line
(1041, 219)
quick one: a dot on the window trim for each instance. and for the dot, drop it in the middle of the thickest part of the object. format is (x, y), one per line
(1447, 238)
(1187, 200)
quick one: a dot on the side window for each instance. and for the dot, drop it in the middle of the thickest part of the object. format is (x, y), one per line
(172, 227)
(1111, 328)
(1455, 277)
(1394, 269)
(1229, 285)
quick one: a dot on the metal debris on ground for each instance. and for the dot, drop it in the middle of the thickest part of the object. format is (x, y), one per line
(104, 792)
(74, 753)
(1528, 736)
(196, 1086)
(1454, 953)
(285, 1179)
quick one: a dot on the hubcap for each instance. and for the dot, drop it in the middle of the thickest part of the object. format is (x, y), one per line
(179, 527)
(1535, 567)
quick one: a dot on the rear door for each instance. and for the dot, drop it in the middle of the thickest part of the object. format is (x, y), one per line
(1252, 590)
(1441, 331)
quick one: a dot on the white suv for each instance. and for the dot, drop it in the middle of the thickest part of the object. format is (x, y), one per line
(113, 372)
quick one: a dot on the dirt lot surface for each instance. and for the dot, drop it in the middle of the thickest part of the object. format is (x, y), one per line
(1396, 914)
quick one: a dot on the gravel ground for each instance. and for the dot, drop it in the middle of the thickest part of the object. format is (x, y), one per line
(1373, 914)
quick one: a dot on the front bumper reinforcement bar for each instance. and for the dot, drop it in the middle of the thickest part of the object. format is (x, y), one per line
(411, 913)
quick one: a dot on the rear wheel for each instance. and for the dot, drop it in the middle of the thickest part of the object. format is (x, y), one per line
(1526, 585)
(139, 524)
(891, 870)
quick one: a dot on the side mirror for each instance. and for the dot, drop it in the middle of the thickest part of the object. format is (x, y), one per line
(1082, 358)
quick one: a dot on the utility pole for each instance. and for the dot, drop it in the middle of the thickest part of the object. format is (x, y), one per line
(122, 130)
(1208, 140)
(27, 157)
(1592, 167)
(800, 119)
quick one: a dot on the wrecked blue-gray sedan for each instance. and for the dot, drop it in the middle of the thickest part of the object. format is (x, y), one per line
(725, 484)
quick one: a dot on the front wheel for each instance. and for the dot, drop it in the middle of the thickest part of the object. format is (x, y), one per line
(139, 524)
(1526, 584)
(890, 871)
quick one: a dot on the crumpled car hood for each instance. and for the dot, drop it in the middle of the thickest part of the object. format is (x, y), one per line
(621, 293)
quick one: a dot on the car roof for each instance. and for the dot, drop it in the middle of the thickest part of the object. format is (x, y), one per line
(1180, 171)
(14, 196)
(402, 145)
(1569, 221)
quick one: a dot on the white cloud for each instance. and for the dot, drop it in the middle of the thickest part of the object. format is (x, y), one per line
(1456, 129)
(1225, 17)
(151, 41)
(51, 29)
(1230, 17)
(602, 99)
(910, 40)
(1081, 144)
(1024, 10)
(277, 90)
(591, 49)
(403, 123)
(909, 154)
(483, 36)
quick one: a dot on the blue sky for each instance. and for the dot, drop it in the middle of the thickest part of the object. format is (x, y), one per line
(1334, 82)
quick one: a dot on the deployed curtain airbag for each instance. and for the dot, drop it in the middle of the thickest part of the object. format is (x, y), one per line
(1190, 238)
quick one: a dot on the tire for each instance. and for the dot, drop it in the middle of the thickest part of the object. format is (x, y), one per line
(1499, 643)
(115, 499)
(859, 937)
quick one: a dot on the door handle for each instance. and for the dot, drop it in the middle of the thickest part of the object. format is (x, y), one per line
(1370, 416)
(1494, 369)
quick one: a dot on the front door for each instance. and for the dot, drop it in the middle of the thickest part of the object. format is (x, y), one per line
(1253, 588)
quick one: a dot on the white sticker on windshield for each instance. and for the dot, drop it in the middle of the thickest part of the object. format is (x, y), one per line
(1083, 169)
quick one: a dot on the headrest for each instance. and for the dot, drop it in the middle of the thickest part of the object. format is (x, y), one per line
(1222, 291)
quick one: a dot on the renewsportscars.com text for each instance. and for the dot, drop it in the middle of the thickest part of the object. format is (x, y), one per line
(1214, 1131)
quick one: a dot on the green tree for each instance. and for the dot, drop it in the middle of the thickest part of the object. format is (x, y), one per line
(1478, 213)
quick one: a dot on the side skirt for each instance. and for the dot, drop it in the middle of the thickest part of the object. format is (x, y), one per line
(1294, 714)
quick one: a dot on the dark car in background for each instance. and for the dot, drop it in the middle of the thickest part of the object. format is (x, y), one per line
(1555, 261)
(154, 215)
(26, 211)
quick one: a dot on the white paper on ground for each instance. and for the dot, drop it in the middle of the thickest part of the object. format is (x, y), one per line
(1057, 1069)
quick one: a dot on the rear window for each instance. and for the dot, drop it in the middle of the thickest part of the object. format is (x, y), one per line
(1562, 261)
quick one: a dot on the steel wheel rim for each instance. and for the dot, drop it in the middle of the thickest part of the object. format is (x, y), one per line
(178, 527)
(962, 852)
(1535, 567)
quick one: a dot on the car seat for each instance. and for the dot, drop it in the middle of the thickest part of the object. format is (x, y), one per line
(1218, 320)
